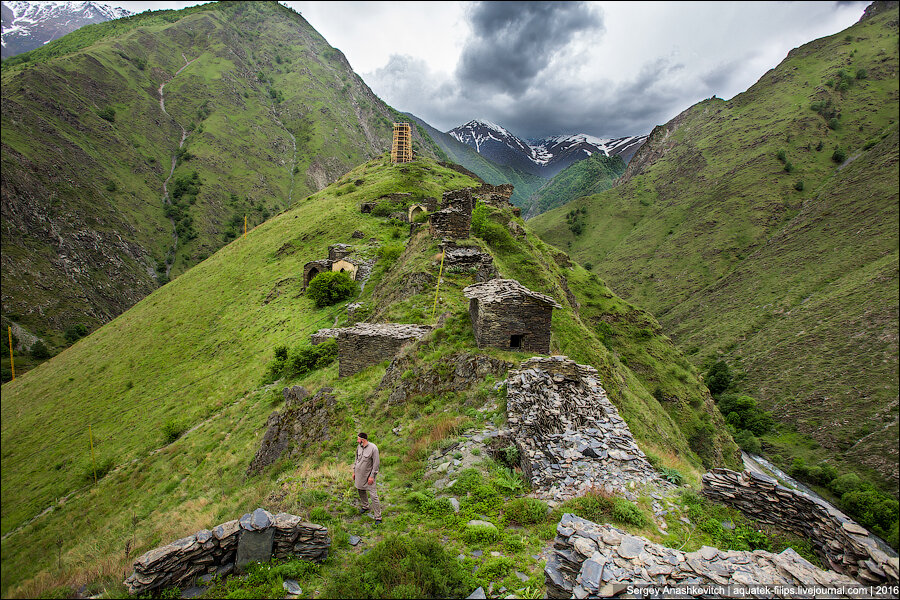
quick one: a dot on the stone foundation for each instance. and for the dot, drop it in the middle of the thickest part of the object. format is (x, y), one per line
(219, 551)
(570, 434)
(598, 561)
(841, 543)
(367, 344)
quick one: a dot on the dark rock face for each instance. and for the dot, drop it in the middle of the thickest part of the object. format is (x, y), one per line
(841, 543)
(302, 422)
(507, 315)
(255, 536)
(590, 560)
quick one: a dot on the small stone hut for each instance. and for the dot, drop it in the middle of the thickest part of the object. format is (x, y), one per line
(452, 223)
(505, 314)
(337, 261)
(367, 344)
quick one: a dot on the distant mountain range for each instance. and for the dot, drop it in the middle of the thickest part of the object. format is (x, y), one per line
(30, 25)
(543, 157)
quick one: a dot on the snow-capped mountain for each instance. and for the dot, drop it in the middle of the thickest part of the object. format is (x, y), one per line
(29, 25)
(544, 157)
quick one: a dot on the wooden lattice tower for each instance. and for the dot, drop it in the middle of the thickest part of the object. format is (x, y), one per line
(401, 149)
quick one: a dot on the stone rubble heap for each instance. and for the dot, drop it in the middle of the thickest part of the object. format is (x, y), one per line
(841, 543)
(469, 258)
(571, 434)
(256, 536)
(596, 561)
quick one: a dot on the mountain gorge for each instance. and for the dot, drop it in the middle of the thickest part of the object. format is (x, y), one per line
(762, 231)
(134, 149)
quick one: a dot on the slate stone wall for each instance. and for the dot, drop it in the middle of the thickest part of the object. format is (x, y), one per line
(313, 268)
(451, 223)
(496, 322)
(368, 344)
(461, 199)
(218, 551)
(597, 561)
(841, 543)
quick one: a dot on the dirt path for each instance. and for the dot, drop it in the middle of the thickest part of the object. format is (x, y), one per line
(184, 134)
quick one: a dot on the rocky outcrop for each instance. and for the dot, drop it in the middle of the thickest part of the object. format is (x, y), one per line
(454, 373)
(841, 543)
(257, 536)
(302, 422)
(570, 434)
(598, 561)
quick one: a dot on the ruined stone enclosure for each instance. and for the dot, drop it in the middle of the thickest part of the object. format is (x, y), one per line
(451, 223)
(505, 314)
(367, 344)
(337, 261)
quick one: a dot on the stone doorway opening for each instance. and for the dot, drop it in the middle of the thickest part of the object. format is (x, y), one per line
(515, 341)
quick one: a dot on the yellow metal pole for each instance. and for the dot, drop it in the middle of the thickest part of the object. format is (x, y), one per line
(11, 363)
(93, 462)
(245, 225)
(438, 286)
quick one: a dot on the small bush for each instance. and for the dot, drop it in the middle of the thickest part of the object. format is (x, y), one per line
(331, 287)
(833, 123)
(799, 185)
(302, 360)
(481, 534)
(39, 351)
(172, 430)
(839, 155)
(718, 378)
(747, 441)
(526, 511)
(861, 73)
(782, 156)
(495, 234)
(107, 114)
(673, 476)
(789, 167)
(627, 512)
(74, 333)
(742, 412)
(592, 506)
(401, 567)
(509, 481)
(111, 186)
(389, 253)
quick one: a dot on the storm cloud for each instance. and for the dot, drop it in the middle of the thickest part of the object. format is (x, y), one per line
(512, 42)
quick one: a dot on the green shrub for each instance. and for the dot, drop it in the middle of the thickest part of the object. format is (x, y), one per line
(172, 430)
(593, 507)
(40, 351)
(107, 114)
(839, 155)
(789, 167)
(718, 378)
(111, 186)
(74, 333)
(509, 481)
(526, 511)
(301, 360)
(331, 287)
(861, 73)
(833, 123)
(624, 511)
(673, 476)
(481, 534)
(495, 234)
(742, 412)
(401, 567)
(782, 156)
(799, 185)
(747, 441)
(495, 568)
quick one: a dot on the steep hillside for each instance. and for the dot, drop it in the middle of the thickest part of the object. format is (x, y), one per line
(135, 148)
(174, 390)
(763, 231)
(525, 183)
(583, 178)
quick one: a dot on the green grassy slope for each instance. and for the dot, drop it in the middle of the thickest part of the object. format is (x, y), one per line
(794, 285)
(272, 113)
(192, 357)
(583, 178)
(525, 184)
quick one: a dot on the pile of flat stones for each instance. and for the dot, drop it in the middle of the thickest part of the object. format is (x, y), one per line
(572, 435)
(257, 536)
(842, 544)
(590, 560)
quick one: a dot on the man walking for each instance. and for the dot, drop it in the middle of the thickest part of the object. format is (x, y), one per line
(365, 470)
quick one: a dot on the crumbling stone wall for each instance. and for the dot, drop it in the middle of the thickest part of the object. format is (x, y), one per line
(313, 268)
(590, 560)
(338, 251)
(571, 437)
(841, 543)
(455, 373)
(495, 195)
(507, 315)
(461, 199)
(367, 344)
(469, 258)
(256, 536)
(303, 421)
(452, 223)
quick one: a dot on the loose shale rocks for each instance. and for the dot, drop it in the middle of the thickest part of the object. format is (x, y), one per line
(595, 561)
(258, 536)
(841, 543)
(571, 434)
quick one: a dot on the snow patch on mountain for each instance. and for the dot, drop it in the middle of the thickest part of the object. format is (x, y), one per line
(29, 25)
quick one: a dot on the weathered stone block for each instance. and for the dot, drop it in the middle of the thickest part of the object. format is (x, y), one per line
(254, 546)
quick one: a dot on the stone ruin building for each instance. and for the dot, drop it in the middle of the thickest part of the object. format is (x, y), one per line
(469, 258)
(338, 260)
(462, 199)
(367, 344)
(451, 223)
(495, 195)
(505, 314)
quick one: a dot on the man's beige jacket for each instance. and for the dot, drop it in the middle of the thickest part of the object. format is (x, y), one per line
(366, 465)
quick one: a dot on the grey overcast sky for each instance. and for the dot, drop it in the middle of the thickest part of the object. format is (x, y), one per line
(541, 68)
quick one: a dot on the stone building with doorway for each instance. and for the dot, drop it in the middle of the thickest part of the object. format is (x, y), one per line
(339, 259)
(507, 315)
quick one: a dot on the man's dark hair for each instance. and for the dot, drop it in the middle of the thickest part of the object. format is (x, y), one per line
(363, 436)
